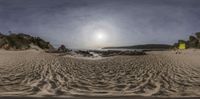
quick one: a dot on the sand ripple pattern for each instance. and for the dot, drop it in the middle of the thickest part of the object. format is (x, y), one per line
(39, 73)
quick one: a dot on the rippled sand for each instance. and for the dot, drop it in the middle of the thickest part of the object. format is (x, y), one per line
(36, 73)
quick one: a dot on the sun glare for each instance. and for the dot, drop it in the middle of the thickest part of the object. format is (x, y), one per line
(100, 35)
(100, 38)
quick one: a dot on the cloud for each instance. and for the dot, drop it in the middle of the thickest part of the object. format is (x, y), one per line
(128, 21)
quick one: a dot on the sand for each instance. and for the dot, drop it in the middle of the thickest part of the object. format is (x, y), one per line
(158, 74)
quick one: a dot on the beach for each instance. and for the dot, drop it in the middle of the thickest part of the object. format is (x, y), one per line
(32, 73)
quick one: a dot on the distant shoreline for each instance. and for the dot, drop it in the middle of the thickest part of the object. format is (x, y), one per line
(143, 47)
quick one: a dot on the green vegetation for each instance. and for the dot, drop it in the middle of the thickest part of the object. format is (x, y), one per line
(193, 42)
(22, 41)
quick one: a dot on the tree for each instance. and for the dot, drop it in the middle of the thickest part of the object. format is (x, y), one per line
(175, 45)
(192, 38)
(193, 42)
(198, 35)
(181, 41)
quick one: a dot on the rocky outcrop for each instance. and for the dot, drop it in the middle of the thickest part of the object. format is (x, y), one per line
(62, 48)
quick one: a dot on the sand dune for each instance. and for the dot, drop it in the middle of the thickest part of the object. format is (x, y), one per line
(36, 73)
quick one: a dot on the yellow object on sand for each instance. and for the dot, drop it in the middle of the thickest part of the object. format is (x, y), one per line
(182, 46)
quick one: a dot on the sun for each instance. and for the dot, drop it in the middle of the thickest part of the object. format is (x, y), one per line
(100, 38)
(100, 35)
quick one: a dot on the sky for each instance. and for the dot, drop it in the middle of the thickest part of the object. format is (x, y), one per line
(101, 23)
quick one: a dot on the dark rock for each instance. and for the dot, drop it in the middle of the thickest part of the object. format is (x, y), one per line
(84, 53)
(62, 48)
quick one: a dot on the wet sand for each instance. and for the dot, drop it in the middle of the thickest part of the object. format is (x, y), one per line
(155, 75)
